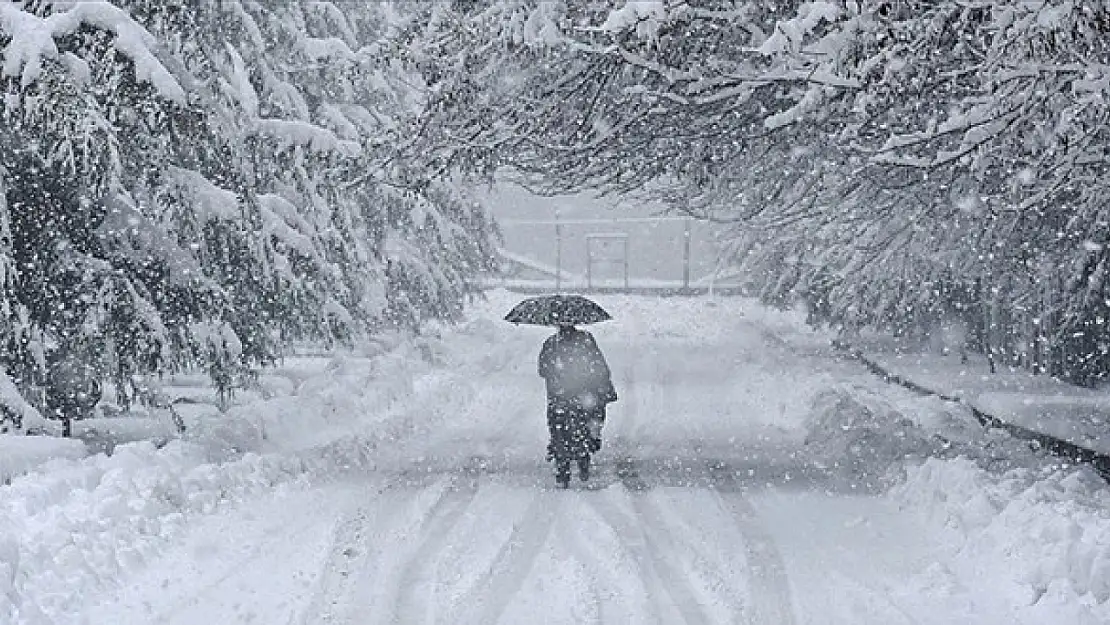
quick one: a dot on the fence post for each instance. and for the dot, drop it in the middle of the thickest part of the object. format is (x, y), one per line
(686, 254)
(589, 264)
(626, 262)
(558, 253)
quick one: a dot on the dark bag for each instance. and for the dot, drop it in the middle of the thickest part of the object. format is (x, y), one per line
(607, 394)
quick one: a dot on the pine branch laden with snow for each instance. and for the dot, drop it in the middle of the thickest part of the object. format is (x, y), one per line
(224, 164)
(654, 87)
(32, 43)
(16, 415)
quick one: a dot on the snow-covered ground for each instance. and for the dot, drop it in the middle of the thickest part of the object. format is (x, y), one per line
(748, 475)
(1038, 403)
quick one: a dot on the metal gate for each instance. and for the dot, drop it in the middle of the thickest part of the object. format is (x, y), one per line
(610, 253)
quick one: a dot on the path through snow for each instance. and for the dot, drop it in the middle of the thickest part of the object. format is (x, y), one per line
(705, 506)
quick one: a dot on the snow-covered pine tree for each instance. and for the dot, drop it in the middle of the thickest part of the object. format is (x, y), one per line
(75, 83)
(204, 182)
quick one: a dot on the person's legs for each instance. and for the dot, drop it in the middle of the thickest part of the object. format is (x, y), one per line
(562, 472)
(557, 423)
(596, 422)
(575, 433)
(558, 449)
(584, 467)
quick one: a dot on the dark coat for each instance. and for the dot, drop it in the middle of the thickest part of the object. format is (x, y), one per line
(575, 370)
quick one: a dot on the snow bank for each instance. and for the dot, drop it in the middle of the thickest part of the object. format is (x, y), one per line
(862, 437)
(1043, 534)
(1037, 403)
(74, 526)
(1016, 528)
(1077, 418)
(868, 432)
(72, 529)
(21, 454)
(104, 434)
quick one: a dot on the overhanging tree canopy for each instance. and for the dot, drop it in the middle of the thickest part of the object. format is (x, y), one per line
(880, 149)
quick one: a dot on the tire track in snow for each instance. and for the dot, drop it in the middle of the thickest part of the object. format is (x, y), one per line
(435, 529)
(635, 543)
(347, 555)
(497, 586)
(875, 598)
(771, 601)
(663, 575)
(673, 531)
(665, 548)
(575, 545)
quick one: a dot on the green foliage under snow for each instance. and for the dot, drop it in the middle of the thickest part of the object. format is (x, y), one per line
(188, 183)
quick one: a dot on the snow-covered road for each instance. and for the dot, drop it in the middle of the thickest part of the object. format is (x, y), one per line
(706, 505)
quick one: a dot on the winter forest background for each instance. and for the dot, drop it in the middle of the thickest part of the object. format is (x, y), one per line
(201, 184)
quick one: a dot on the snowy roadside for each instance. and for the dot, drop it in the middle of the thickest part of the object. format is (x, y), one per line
(1034, 541)
(1037, 403)
(908, 491)
(1019, 536)
(75, 525)
(22, 454)
(1025, 536)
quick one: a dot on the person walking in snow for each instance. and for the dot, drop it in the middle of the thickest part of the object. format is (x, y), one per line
(579, 386)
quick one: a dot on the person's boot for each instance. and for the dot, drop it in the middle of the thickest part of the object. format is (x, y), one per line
(562, 473)
(584, 468)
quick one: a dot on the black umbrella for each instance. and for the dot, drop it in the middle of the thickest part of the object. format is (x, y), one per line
(553, 310)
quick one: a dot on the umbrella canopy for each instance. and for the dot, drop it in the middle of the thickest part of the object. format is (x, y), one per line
(553, 310)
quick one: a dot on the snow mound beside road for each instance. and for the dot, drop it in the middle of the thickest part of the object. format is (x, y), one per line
(20, 454)
(73, 527)
(1044, 534)
(857, 435)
